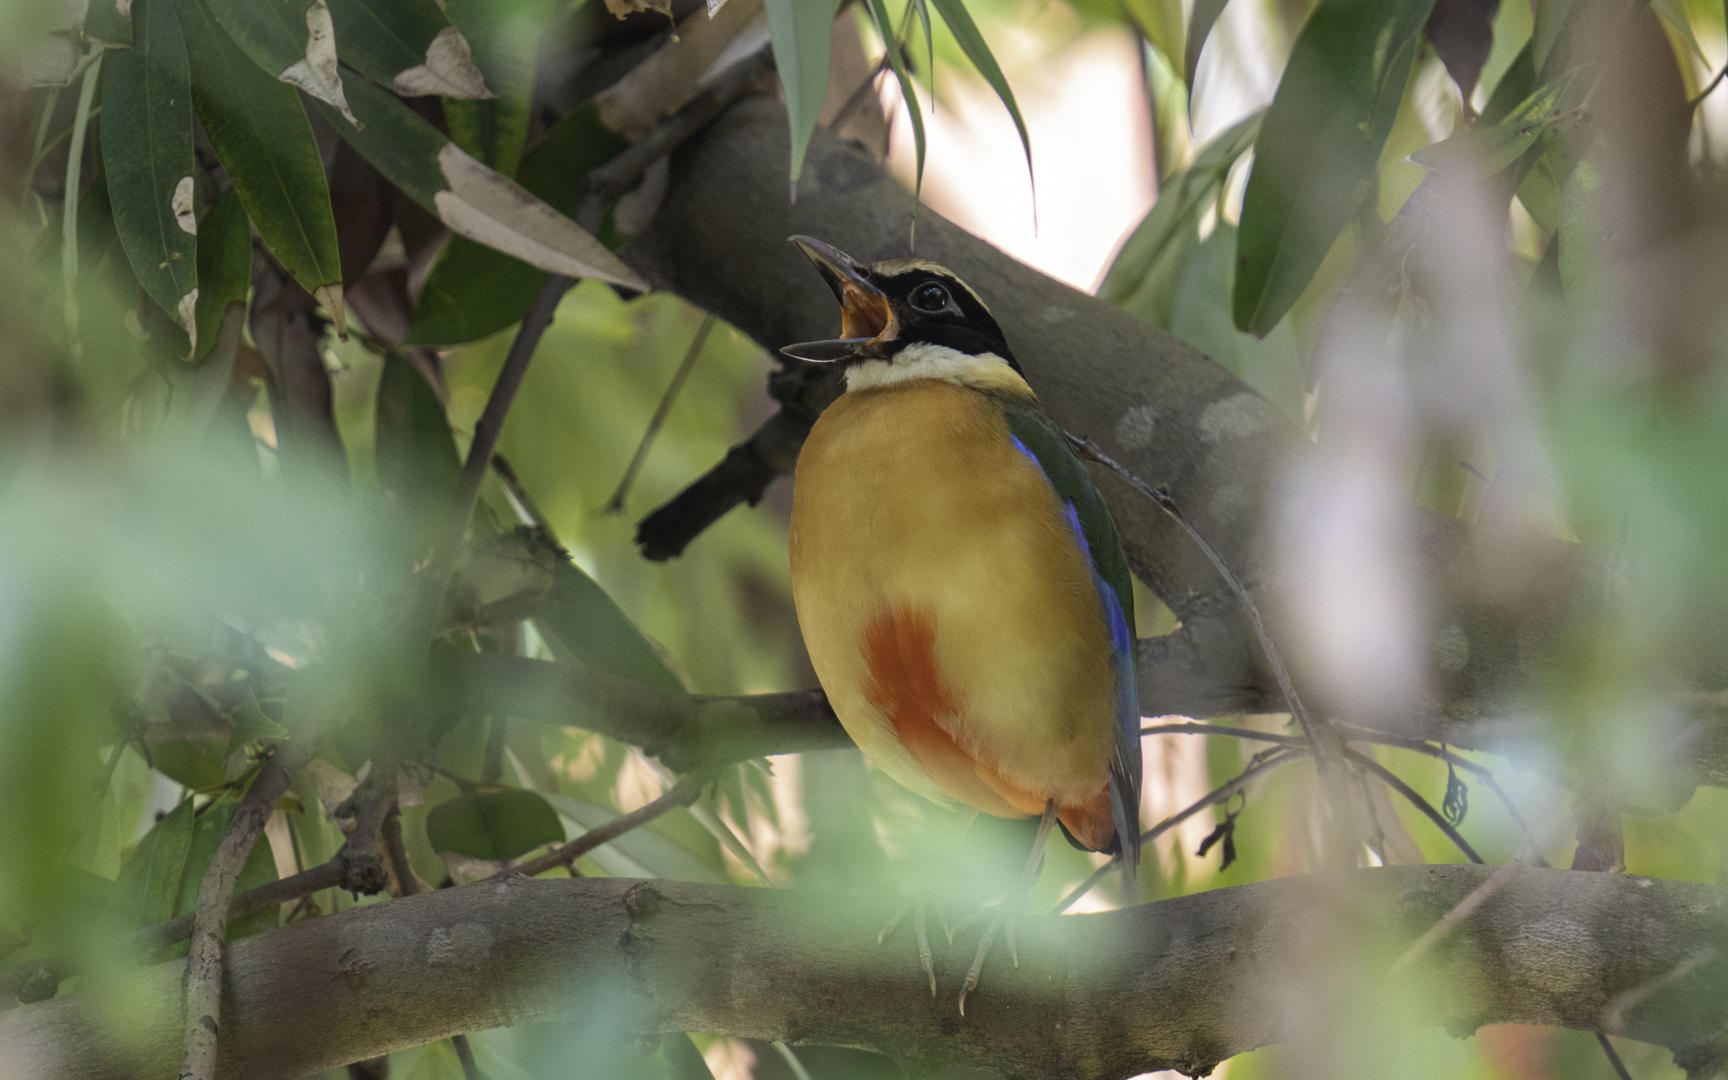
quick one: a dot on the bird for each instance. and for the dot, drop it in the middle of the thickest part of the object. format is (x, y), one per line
(958, 580)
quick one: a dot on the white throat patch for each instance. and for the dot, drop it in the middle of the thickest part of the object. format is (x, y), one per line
(914, 362)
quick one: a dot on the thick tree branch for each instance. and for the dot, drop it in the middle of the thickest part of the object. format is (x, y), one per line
(686, 732)
(1184, 983)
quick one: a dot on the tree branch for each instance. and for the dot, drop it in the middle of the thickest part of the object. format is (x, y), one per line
(1180, 984)
(203, 986)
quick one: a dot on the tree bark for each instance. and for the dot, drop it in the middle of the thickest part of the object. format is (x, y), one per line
(1180, 984)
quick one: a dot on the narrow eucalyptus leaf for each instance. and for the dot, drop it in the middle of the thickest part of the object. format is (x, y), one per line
(1316, 156)
(803, 34)
(147, 154)
(264, 140)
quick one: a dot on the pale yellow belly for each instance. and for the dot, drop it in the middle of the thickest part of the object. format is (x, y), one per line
(913, 499)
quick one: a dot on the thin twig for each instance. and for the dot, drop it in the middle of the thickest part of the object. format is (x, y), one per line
(1415, 799)
(859, 96)
(1217, 795)
(1704, 93)
(465, 1054)
(1323, 741)
(1358, 734)
(1613, 1057)
(406, 884)
(203, 999)
(526, 509)
(1219, 729)
(491, 422)
(682, 793)
(792, 1062)
(616, 503)
(1422, 746)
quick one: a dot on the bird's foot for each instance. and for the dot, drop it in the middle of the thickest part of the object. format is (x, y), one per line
(1005, 916)
(1003, 922)
(920, 926)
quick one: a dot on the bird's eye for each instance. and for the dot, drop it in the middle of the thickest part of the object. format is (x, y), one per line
(930, 297)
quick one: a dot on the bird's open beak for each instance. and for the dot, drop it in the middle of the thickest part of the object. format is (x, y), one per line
(866, 318)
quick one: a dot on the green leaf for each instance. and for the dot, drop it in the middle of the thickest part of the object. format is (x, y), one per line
(1160, 21)
(147, 153)
(594, 631)
(1514, 86)
(1145, 274)
(150, 880)
(407, 45)
(473, 200)
(1673, 13)
(104, 22)
(195, 762)
(417, 461)
(803, 35)
(1200, 25)
(1485, 150)
(1317, 152)
(493, 824)
(972, 42)
(224, 266)
(651, 851)
(252, 724)
(262, 137)
(908, 90)
(474, 290)
(292, 40)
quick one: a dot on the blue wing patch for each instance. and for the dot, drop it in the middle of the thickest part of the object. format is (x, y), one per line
(1125, 769)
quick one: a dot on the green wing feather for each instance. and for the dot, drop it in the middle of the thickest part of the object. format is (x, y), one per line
(1039, 437)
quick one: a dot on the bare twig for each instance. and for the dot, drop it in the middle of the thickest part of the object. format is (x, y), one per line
(1704, 93)
(1415, 799)
(682, 793)
(526, 509)
(1422, 746)
(1613, 1057)
(1219, 729)
(491, 422)
(465, 1054)
(792, 1062)
(1272, 760)
(616, 503)
(406, 883)
(203, 999)
(858, 96)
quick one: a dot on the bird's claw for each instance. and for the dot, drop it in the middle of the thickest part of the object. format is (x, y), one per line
(1004, 919)
(920, 926)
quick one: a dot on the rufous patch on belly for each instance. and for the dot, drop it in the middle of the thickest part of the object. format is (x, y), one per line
(906, 684)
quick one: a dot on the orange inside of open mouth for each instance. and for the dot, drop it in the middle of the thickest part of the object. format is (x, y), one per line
(863, 314)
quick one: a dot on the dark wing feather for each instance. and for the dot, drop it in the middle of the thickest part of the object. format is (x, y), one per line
(1045, 443)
